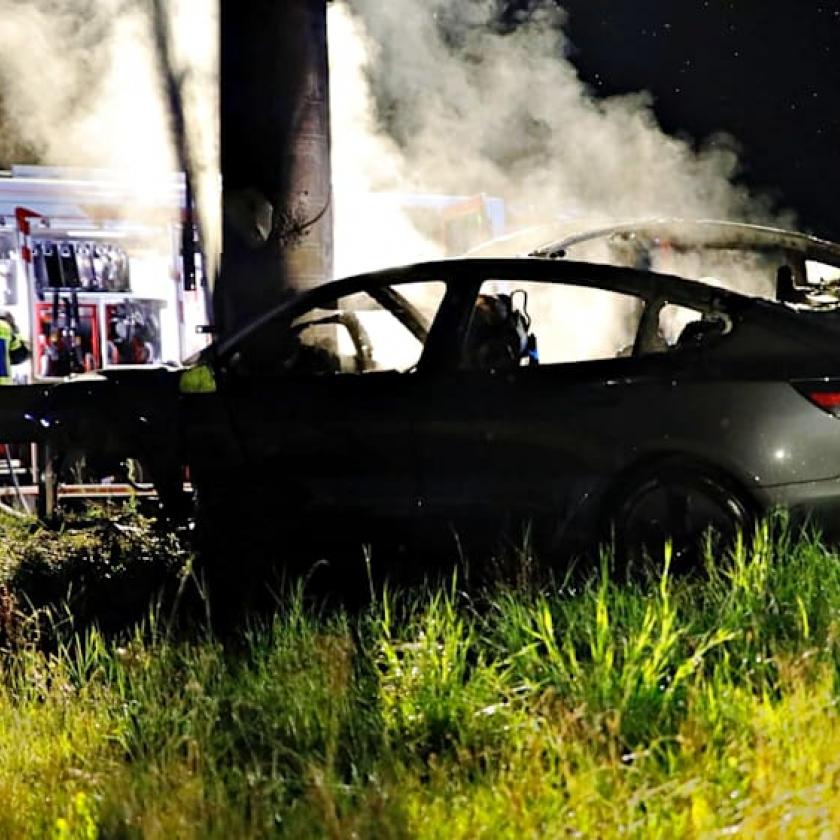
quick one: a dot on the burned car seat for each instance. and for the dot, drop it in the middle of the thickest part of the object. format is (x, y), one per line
(498, 337)
(696, 333)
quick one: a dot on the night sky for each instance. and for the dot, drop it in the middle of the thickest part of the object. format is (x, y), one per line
(766, 73)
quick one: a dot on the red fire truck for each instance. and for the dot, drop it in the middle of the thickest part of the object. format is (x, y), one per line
(98, 271)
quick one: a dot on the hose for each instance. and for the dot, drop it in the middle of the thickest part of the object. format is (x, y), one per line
(8, 509)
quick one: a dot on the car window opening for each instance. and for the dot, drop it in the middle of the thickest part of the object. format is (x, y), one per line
(524, 323)
(383, 329)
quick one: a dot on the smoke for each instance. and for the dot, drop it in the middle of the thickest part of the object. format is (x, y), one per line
(82, 86)
(427, 96)
(449, 100)
(187, 51)
(78, 85)
(370, 229)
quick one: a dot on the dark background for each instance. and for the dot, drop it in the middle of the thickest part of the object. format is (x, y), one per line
(766, 73)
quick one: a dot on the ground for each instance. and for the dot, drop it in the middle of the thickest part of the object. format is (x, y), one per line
(663, 707)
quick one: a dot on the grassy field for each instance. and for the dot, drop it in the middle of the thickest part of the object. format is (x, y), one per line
(665, 708)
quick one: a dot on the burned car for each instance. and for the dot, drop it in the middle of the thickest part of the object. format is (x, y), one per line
(735, 255)
(595, 401)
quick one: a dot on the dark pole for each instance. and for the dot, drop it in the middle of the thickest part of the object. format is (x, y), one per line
(275, 147)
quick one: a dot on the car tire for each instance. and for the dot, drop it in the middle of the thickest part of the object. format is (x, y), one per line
(690, 506)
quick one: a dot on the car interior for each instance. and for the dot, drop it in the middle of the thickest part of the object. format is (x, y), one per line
(513, 324)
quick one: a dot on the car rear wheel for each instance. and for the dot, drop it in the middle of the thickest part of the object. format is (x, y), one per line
(696, 511)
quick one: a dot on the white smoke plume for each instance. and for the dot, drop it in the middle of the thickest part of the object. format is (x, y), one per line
(187, 53)
(427, 96)
(370, 230)
(81, 86)
(447, 101)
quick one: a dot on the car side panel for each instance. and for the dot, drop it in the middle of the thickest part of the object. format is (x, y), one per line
(555, 439)
(328, 443)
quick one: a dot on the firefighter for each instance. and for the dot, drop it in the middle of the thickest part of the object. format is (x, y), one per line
(13, 351)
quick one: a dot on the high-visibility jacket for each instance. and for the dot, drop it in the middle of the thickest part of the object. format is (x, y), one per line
(12, 350)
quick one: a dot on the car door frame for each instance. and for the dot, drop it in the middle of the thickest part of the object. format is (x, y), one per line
(358, 396)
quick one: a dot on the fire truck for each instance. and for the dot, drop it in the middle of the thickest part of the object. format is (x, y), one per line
(97, 271)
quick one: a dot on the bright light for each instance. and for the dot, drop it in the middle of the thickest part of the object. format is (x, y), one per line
(97, 234)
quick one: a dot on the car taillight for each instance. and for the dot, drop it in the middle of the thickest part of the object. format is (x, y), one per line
(823, 393)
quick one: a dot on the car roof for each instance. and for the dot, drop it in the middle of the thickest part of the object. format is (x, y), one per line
(647, 284)
(552, 240)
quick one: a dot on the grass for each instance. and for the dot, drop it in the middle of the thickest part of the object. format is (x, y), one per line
(669, 707)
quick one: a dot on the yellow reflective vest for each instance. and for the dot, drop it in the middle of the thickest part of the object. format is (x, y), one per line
(10, 347)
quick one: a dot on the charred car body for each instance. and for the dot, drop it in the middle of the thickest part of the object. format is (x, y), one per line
(582, 396)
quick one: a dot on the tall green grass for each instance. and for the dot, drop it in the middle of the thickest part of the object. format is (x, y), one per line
(670, 706)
